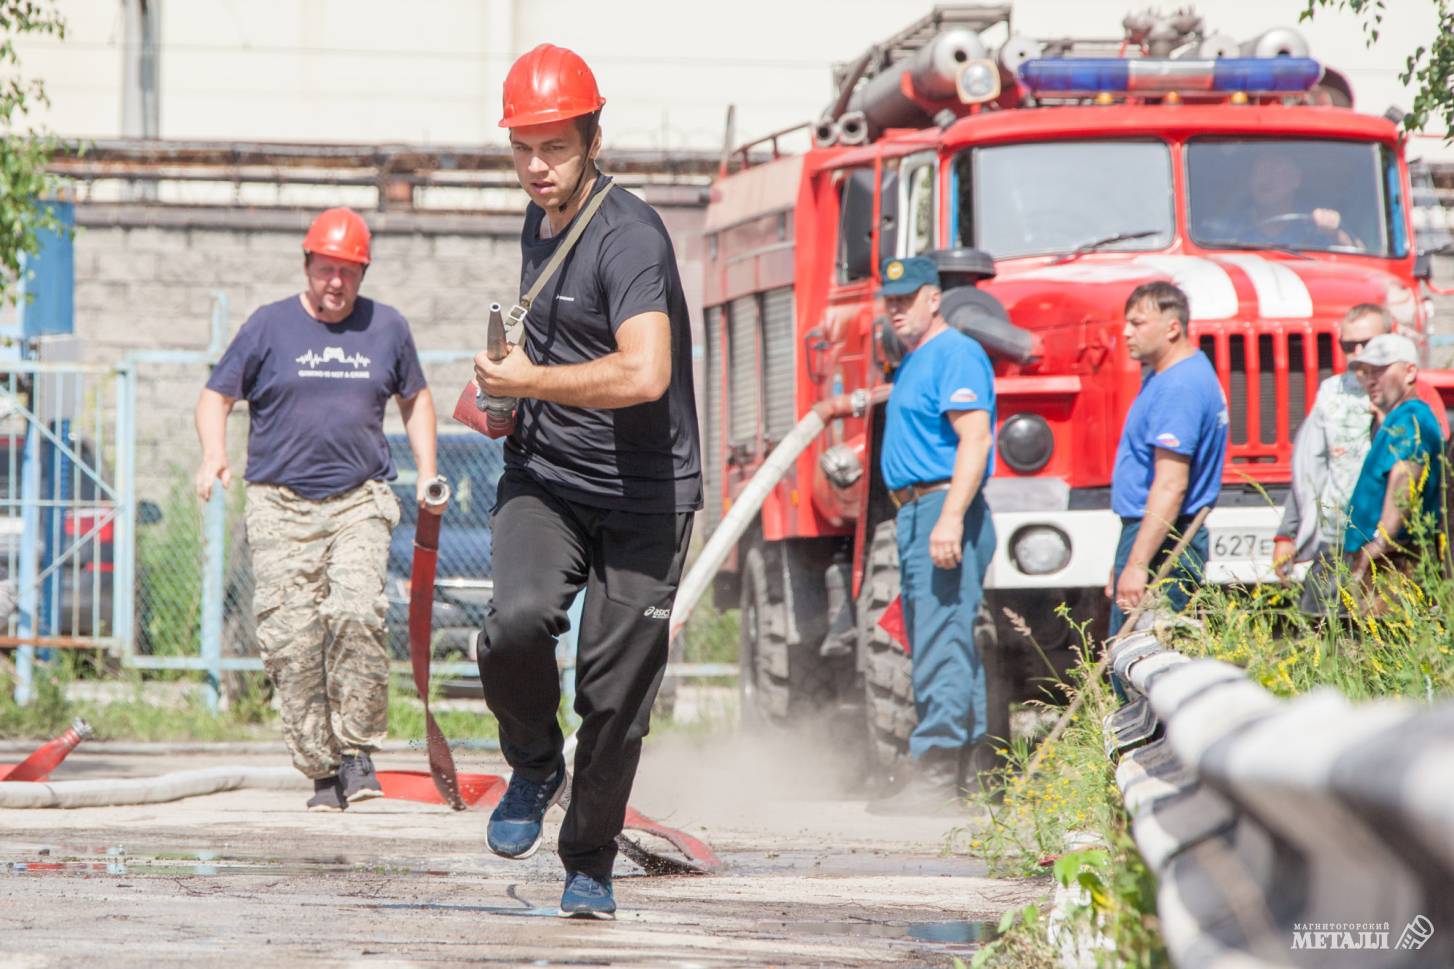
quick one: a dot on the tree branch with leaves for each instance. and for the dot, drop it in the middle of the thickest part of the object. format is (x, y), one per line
(1430, 68)
(24, 150)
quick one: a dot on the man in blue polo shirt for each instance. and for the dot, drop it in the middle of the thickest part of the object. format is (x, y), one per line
(1169, 461)
(938, 451)
(1403, 472)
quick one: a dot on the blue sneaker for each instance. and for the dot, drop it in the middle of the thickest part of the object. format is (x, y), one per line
(515, 827)
(586, 898)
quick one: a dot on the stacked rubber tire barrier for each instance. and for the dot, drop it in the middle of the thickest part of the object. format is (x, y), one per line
(1304, 832)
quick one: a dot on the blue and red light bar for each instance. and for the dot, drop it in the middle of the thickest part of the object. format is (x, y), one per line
(1089, 76)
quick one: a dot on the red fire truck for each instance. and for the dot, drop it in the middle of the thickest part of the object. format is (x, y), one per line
(1047, 179)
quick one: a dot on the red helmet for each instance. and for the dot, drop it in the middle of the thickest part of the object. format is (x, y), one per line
(340, 233)
(549, 84)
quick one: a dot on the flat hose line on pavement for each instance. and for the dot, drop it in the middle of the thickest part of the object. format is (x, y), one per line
(441, 784)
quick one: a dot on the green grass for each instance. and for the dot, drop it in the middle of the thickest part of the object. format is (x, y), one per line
(169, 556)
(1403, 652)
(137, 716)
(406, 716)
(711, 636)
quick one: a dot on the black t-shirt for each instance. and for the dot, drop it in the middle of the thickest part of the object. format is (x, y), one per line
(641, 458)
(316, 393)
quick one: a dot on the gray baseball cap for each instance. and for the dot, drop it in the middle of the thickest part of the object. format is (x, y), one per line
(1387, 348)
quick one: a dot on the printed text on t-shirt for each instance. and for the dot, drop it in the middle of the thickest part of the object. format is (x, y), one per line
(312, 360)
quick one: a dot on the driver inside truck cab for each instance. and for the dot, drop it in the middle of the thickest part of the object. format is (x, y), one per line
(1273, 210)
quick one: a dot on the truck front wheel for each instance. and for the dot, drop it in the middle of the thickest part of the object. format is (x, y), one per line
(784, 676)
(765, 691)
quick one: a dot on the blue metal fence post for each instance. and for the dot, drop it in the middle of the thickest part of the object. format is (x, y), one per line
(29, 597)
(214, 545)
(215, 556)
(56, 480)
(123, 599)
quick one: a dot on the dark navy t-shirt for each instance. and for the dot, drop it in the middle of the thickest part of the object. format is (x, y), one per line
(316, 393)
(1182, 409)
(642, 458)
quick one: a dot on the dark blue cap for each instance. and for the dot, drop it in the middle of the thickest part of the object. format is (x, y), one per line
(901, 277)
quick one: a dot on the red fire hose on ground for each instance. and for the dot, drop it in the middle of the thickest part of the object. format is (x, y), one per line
(441, 784)
(483, 791)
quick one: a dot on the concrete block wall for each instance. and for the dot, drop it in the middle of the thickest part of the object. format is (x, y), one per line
(152, 288)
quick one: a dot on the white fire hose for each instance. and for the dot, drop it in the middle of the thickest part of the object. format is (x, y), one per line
(194, 783)
(749, 501)
(147, 790)
(747, 504)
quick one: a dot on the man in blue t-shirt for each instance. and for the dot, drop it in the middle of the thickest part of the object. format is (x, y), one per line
(938, 451)
(1169, 462)
(317, 370)
(1402, 475)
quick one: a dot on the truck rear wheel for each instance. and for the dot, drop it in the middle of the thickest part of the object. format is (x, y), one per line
(780, 680)
(888, 671)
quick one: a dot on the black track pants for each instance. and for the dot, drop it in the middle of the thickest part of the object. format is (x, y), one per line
(544, 549)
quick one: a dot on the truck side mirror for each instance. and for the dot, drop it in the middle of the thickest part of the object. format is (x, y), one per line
(1424, 266)
(855, 227)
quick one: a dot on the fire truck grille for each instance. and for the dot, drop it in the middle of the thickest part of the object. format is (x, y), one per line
(712, 447)
(780, 364)
(745, 394)
(1271, 380)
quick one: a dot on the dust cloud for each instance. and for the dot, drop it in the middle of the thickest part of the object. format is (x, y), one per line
(782, 779)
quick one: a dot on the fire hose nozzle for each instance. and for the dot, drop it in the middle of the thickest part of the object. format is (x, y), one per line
(496, 345)
(499, 409)
(436, 492)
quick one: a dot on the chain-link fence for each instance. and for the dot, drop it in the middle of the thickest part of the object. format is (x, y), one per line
(171, 549)
(58, 504)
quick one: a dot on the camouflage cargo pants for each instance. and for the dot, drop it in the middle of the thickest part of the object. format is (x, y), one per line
(319, 569)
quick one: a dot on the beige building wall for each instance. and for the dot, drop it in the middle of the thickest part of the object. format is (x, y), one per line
(430, 71)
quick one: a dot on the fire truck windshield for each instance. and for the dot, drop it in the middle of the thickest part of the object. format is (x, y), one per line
(1057, 196)
(1303, 194)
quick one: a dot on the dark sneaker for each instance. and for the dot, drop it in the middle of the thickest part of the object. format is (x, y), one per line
(327, 795)
(515, 827)
(586, 898)
(358, 779)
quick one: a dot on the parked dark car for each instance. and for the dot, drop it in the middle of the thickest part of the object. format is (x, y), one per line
(463, 586)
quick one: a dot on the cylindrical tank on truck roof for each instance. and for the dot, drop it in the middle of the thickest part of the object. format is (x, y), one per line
(933, 72)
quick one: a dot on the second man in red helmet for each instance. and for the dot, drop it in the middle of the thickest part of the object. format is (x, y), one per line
(317, 371)
(602, 476)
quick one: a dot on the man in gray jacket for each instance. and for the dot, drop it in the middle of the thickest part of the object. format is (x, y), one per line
(1328, 454)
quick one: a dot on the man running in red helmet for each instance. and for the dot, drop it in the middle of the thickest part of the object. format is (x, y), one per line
(317, 370)
(602, 476)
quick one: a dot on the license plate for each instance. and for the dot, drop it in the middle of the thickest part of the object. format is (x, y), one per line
(1240, 545)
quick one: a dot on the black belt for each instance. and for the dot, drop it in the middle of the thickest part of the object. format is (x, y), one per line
(911, 493)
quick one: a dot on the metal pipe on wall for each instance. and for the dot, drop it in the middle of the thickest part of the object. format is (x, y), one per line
(140, 77)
